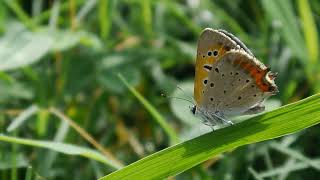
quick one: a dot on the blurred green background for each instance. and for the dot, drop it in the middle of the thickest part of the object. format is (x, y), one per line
(59, 83)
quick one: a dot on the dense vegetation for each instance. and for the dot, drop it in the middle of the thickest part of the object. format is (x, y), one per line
(81, 84)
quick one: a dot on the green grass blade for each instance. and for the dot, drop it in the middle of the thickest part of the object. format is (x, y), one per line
(18, 121)
(295, 154)
(28, 173)
(310, 31)
(64, 7)
(104, 18)
(147, 16)
(155, 114)
(62, 148)
(282, 12)
(176, 159)
(14, 6)
(295, 166)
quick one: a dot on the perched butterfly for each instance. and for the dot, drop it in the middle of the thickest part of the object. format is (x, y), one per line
(229, 80)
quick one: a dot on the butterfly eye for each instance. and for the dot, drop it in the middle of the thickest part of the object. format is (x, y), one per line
(193, 109)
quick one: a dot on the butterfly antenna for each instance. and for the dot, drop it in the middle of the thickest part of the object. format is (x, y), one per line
(187, 95)
(172, 97)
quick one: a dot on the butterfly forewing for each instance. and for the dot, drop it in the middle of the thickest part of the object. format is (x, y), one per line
(212, 45)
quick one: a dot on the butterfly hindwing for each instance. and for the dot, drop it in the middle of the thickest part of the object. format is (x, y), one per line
(232, 84)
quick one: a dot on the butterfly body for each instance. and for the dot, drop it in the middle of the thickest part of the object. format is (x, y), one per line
(229, 80)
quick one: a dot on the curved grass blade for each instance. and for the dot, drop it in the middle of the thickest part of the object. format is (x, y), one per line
(63, 148)
(156, 115)
(176, 159)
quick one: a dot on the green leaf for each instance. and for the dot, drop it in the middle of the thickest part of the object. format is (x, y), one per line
(62, 148)
(176, 159)
(20, 47)
(11, 90)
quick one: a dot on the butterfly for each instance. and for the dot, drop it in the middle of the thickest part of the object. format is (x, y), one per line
(229, 80)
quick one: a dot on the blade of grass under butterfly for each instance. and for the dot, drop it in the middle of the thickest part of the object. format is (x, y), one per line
(152, 110)
(176, 159)
(62, 148)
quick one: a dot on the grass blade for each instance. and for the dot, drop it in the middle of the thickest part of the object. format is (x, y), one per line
(176, 159)
(104, 18)
(15, 7)
(310, 31)
(155, 114)
(18, 121)
(294, 167)
(28, 174)
(82, 132)
(63, 148)
(295, 154)
(283, 13)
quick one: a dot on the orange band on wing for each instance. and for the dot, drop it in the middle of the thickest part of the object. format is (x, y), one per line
(255, 72)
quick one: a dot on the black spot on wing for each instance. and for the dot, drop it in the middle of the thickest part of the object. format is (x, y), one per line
(215, 53)
(208, 67)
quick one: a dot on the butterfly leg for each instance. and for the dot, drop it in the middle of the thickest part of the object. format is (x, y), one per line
(214, 120)
(217, 121)
(222, 118)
